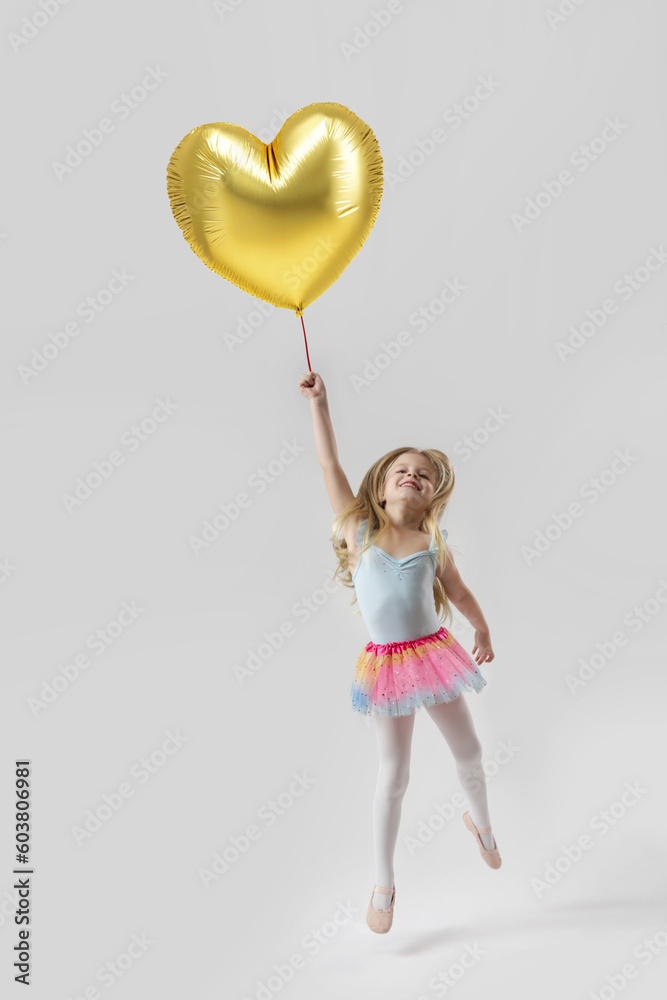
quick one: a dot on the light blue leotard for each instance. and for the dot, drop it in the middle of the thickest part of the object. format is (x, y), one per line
(395, 596)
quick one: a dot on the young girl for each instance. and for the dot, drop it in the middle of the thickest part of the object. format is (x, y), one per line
(402, 584)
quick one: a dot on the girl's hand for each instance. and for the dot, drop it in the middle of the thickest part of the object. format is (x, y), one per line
(483, 647)
(312, 386)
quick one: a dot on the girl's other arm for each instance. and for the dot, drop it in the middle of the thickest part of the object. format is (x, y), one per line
(464, 601)
(338, 487)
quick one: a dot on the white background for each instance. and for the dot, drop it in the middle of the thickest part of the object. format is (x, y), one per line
(166, 336)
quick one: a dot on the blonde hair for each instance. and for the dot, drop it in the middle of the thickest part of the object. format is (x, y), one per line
(367, 504)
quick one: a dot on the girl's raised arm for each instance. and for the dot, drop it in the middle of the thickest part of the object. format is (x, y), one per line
(338, 487)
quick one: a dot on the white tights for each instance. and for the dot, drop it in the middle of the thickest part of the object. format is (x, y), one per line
(394, 740)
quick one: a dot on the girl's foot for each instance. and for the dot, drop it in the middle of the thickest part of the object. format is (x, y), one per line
(486, 837)
(490, 855)
(381, 920)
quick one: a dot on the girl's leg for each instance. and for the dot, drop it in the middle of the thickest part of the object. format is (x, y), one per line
(454, 721)
(394, 740)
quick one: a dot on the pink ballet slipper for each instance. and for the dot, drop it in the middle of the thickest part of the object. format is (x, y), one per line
(492, 858)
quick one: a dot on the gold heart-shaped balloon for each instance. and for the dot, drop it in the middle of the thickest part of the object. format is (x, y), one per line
(283, 220)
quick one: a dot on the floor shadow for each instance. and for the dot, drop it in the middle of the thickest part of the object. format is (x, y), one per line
(582, 914)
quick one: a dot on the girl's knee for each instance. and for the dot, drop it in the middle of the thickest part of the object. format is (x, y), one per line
(471, 754)
(393, 783)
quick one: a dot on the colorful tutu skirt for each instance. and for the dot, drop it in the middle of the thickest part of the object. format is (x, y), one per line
(397, 678)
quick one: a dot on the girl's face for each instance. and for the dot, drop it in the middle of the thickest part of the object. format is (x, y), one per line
(410, 480)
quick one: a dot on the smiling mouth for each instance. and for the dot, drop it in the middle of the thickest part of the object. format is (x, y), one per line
(411, 485)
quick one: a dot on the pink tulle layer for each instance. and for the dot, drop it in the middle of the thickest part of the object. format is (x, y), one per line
(397, 678)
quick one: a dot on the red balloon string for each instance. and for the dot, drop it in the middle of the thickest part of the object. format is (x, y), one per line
(306, 342)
